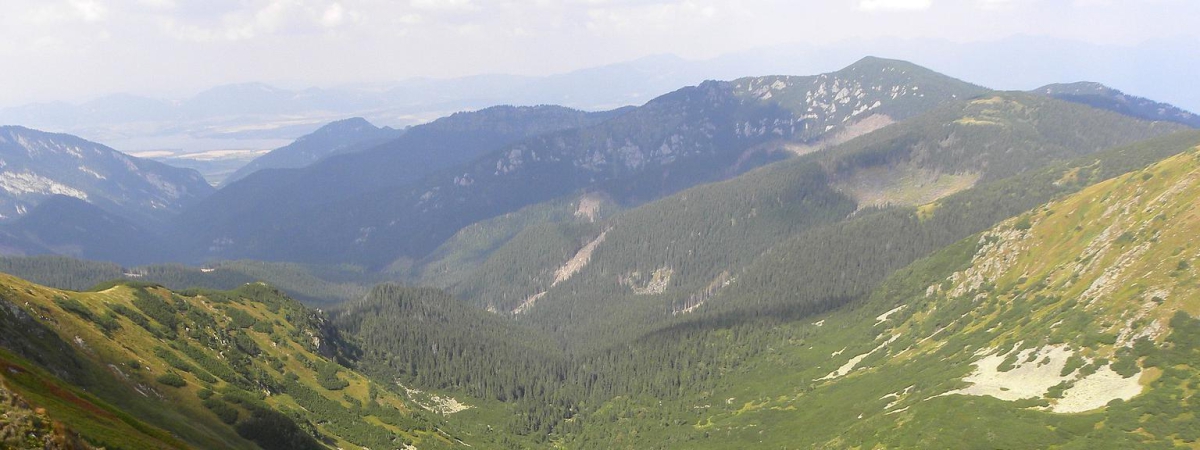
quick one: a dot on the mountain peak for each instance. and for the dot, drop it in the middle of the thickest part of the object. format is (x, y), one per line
(878, 63)
(334, 138)
(346, 125)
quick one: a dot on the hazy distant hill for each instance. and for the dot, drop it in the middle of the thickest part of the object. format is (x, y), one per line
(1100, 96)
(69, 226)
(343, 136)
(256, 203)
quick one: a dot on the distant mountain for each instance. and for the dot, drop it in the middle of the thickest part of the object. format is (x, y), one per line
(343, 136)
(1100, 96)
(694, 135)
(255, 205)
(36, 165)
(239, 115)
(1157, 69)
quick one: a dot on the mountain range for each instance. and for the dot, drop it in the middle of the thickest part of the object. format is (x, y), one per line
(877, 257)
(260, 116)
(694, 135)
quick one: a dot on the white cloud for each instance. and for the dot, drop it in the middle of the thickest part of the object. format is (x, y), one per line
(272, 17)
(410, 19)
(1001, 4)
(89, 10)
(449, 6)
(158, 4)
(894, 5)
(72, 10)
(622, 17)
(334, 15)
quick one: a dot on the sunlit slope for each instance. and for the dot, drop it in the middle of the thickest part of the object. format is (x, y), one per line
(1072, 326)
(134, 366)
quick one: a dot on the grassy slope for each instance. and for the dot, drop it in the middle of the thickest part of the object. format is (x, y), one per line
(107, 384)
(1033, 291)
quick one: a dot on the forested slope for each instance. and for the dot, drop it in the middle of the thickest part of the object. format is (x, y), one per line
(1073, 325)
(659, 260)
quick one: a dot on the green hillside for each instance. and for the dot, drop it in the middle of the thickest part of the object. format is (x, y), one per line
(138, 366)
(1072, 326)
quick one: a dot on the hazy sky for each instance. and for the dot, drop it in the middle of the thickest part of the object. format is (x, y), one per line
(75, 49)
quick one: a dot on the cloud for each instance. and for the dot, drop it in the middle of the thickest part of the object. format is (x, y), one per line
(266, 18)
(334, 15)
(623, 17)
(1001, 4)
(894, 5)
(158, 4)
(446, 6)
(90, 11)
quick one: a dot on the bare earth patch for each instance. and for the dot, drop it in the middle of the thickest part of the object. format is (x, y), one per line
(853, 362)
(1096, 390)
(1024, 380)
(577, 262)
(883, 186)
(528, 303)
(589, 205)
(884, 317)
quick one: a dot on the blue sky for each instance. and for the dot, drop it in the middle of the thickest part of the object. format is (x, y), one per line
(75, 49)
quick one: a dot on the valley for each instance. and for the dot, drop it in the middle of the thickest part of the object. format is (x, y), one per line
(881, 256)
